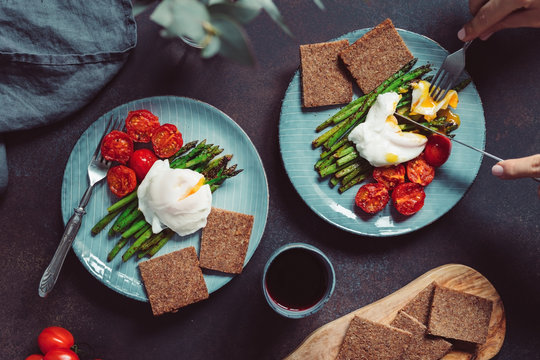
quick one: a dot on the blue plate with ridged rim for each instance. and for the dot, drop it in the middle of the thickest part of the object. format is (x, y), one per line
(245, 193)
(297, 131)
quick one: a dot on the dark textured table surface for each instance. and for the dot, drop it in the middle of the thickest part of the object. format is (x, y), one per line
(494, 228)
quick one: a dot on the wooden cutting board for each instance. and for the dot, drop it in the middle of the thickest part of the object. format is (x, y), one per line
(324, 343)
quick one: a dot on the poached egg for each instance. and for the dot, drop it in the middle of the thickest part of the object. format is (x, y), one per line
(423, 104)
(174, 198)
(379, 139)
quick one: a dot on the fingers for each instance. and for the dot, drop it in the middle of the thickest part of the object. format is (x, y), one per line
(475, 5)
(487, 16)
(518, 168)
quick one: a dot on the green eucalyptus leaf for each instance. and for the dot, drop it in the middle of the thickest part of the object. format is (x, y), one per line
(319, 3)
(212, 48)
(234, 40)
(243, 12)
(140, 5)
(273, 12)
(182, 17)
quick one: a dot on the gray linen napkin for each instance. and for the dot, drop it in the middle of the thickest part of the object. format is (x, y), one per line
(55, 56)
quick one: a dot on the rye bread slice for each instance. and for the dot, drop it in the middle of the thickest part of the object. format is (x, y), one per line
(460, 316)
(368, 340)
(324, 79)
(420, 306)
(421, 347)
(225, 240)
(173, 280)
(376, 56)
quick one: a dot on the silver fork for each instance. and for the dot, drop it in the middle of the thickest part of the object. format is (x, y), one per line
(97, 170)
(448, 73)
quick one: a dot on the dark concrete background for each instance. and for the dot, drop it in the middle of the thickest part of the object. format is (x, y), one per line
(494, 228)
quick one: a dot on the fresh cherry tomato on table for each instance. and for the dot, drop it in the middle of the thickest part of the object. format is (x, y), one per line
(140, 124)
(390, 176)
(408, 198)
(61, 354)
(437, 150)
(419, 171)
(122, 180)
(141, 161)
(166, 140)
(117, 146)
(55, 337)
(372, 198)
(34, 357)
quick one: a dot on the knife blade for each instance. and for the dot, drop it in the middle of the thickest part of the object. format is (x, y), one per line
(403, 117)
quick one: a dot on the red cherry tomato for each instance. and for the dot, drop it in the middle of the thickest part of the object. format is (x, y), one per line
(61, 354)
(166, 140)
(141, 161)
(140, 124)
(390, 176)
(419, 171)
(34, 357)
(437, 150)
(117, 146)
(372, 197)
(122, 180)
(408, 198)
(54, 337)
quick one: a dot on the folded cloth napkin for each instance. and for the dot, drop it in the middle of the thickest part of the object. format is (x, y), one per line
(55, 56)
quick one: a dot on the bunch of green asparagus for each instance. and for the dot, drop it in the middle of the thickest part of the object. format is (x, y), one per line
(130, 223)
(339, 159)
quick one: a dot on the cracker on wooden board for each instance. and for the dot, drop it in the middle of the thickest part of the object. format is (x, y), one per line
(459, 315)
(225, 240)
(421, 347)
(324, 80)
(173, 280)
(420, 305)
(376, 56)
(369, 340)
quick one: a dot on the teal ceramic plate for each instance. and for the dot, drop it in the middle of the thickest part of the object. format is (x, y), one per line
(297, 131)
(246, 193)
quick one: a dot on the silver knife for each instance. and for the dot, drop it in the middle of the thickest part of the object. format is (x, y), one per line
(403, 117)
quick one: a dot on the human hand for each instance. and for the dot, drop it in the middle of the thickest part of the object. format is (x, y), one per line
(518, 168)
(494, 15)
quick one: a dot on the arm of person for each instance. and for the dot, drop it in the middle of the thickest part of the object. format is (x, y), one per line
(494, 15)
(518, 168)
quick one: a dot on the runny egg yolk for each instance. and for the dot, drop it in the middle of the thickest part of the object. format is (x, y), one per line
(423, 104)
(194, 189)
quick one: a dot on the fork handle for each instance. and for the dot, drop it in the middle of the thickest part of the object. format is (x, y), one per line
(48, 280)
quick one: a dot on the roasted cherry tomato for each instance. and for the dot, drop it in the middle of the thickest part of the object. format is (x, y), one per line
(141, 161)
(408, 198)
(117, 146)
(61, 354)
(34, 357)
(419, 171)
(140, 124)
(54, 337)
(372, 197)
(390, 176)
(437, 150)
(122, 180)
(166, 140)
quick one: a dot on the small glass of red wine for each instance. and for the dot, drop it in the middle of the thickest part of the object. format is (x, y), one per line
(298, 280)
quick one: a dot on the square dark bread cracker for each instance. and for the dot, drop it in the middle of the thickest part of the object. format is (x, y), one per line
(225, 240)
(460, 316)
(421, 347)
(376, 56)
(173, 280)
(420, 306)
(368, 340)
(324, 80)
